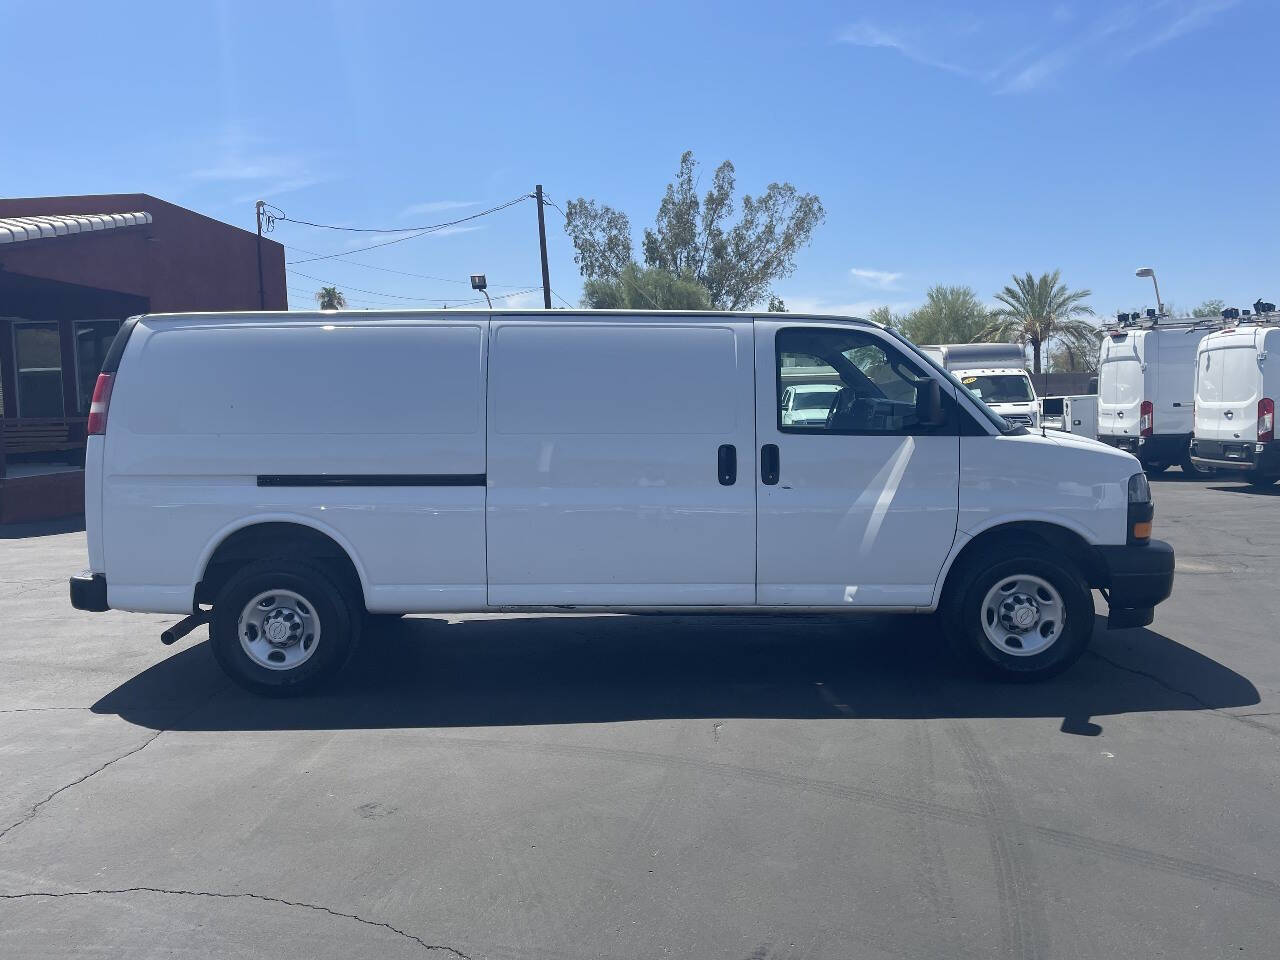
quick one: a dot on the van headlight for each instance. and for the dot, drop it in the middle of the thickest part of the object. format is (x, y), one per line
(1139, 489)
(1141, 509)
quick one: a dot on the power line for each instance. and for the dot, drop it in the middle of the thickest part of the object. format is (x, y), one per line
(281, 217)
(562, 300)
(403, 273)
(421, 232)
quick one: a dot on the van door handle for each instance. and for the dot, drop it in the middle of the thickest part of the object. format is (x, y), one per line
(769, 465)
(727, 464)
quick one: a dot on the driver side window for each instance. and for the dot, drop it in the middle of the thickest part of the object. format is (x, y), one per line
(847, 382)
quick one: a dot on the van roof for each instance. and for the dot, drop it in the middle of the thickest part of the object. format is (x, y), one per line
(328, 316)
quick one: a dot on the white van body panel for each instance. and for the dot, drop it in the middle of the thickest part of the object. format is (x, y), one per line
(223, 403)
(1231, 372)
(545, 460)
(828, 531)
(603, 446)
(1122, 383)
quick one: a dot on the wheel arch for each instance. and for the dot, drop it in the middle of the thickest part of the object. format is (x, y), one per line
(1067, 541)
(275, 535)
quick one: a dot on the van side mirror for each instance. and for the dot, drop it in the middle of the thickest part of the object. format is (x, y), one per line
(929, 412)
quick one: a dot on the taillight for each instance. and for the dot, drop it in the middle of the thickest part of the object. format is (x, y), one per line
(98, 407)
(1266, 419)
(1145, 421)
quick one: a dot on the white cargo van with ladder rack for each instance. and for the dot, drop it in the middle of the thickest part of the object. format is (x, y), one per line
(1146, 380)
(1236, 392)
(281, 475)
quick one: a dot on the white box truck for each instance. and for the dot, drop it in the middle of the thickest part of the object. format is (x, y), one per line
(279, 476)
(995, 373)
(1146, 381)
(1236, 387)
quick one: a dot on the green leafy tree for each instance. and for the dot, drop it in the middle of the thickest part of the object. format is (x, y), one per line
(1039, 312)
(330, 298)
(949, 314)
(693, 238)
(777, 304)
(886, 317)
(635, 288)
(1209, 308)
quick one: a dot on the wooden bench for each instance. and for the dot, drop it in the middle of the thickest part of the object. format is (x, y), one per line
(41, 435)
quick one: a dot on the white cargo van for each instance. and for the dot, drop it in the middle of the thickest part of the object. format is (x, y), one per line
(1146, 378)
(1236, 390)
(996, 373)
(296, 471)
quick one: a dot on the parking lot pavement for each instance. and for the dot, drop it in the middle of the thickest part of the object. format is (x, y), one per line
(583, 786)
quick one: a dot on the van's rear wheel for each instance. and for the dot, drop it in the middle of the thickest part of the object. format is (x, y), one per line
(282, 628)
(1018, 614)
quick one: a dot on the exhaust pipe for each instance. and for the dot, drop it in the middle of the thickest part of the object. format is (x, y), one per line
(185, 626)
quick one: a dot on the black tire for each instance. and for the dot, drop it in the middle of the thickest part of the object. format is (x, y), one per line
(331, 604)
(1151, 469)
(963, 616)
(1255, 479)
(1191, 470)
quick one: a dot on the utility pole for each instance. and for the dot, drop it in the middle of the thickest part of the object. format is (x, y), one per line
(542, 245)
(262, 290)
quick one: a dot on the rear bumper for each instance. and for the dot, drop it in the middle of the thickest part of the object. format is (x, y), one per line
(1163, 448)
(89, 592)
(1237, 455)
(1138, 576)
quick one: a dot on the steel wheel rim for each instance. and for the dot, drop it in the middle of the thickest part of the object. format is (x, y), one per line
(279, 630)
(1022, 615)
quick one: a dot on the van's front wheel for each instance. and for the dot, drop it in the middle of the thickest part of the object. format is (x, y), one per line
(1019, 615)
(281, 628)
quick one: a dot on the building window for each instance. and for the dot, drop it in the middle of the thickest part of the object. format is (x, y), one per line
(93, 339)
(38, 358)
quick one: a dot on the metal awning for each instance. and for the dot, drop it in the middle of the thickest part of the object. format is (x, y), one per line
(18, 229)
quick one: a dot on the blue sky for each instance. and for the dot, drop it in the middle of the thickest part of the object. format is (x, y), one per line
(949, 142)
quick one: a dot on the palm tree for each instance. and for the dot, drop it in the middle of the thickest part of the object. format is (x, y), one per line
(330, 298)
(1038, 311)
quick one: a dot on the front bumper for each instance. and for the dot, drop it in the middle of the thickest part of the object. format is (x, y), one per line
(1138, 576)
(1165, 448)
(89, 592)
(1237, 455)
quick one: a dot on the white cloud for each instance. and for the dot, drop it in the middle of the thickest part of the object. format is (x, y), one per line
(879, 279)
(1189, 18)
(866, 34)
(435, 206)
(1122, 32)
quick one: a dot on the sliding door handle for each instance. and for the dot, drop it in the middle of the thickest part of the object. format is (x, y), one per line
(769, 464)
(727, 464)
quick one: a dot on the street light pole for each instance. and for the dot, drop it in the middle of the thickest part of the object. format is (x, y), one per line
(1150, 272)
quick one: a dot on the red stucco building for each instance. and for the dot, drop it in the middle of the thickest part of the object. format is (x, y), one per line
(73, 268)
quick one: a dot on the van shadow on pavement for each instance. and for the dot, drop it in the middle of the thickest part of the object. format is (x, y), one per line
(598, 669)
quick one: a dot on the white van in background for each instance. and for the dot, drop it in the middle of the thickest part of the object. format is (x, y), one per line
(1146, 381)
(1236, 391)
(296, 471)
(995, 373)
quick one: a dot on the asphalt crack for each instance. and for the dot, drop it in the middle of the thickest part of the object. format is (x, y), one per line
(35, 809)
(1193, 697)
(319, 908)
(39, 804)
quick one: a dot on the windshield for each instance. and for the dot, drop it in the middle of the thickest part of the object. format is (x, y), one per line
(813, 399)
(997, 421)
(1000, 387)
